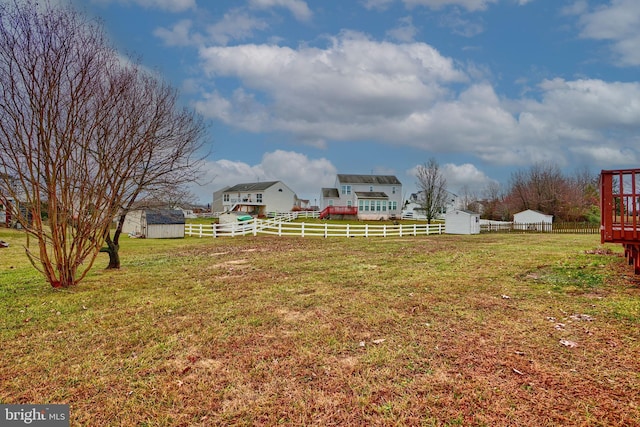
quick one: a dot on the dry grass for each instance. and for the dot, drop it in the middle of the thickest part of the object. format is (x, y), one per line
(437, 331)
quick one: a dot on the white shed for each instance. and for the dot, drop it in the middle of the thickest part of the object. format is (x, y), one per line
(532, 220)
(462, 222)
(155, 223)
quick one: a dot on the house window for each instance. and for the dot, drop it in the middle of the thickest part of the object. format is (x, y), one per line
(349, 203)
(225, 197)
(361, 205)
(378, 205)
(384, 206)
(371, 188)
(346, 189)
(393, 190)
(259, 197)
(393, 205)
(330, 202)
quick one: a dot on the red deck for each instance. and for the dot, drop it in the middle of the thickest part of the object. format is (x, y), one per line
(619, 208)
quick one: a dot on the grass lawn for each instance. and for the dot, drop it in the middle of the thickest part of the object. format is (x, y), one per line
(484, 330)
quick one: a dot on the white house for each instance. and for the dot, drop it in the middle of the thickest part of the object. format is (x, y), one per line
(461, 221)
(155, 223)
(374, 196)
(255, 198)
(532, 220)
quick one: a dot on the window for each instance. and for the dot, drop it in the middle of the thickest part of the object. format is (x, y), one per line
(349, 203)
(393, 205)
(371, 188)
(225, 197)
(330, 202)
(259, 197)
(361, 205)
(378, 206)
(393, 190)
(346, 189)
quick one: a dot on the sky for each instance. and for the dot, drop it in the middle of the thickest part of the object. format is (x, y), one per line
(299, 91)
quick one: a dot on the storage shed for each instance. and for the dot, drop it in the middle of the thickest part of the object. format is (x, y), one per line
(155, 223)
(532, 220)
(462, 221)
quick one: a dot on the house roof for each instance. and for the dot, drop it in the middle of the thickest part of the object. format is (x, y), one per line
(368, 179)
(330, 192)
(371, 195)
(251, 186)
(164, 216)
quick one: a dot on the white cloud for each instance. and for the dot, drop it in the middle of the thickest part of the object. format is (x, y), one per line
(470, 5)
(617, 22)
(298, 8)
(178, 35)
(405, 31)
(408, 94)
(236, 24)
(465, 176)
(303, 175)
(168, 5)
(377, 4)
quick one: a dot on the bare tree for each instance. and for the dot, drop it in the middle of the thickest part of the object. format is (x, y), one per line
(83, 135)
(433, 189)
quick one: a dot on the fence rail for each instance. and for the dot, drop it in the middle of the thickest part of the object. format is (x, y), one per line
(278, 227)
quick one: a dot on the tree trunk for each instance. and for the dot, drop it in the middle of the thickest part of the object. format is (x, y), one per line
(113, 245)
(113, 250)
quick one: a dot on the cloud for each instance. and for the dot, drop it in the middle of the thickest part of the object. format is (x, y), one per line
(298, 8)
(178, 35)
(470, 5)
(408, 94)
(618, 23)
(303, 175)
(465, 176)
(405, 31)
(168, 5)
(377, 4)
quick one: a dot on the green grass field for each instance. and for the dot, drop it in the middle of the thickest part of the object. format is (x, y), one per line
(484, 330)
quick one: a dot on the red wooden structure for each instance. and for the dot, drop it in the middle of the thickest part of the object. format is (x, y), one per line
(338, 210)
(620, 210)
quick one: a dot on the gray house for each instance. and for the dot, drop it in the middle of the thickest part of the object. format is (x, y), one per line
(155, 223)
(374, 196)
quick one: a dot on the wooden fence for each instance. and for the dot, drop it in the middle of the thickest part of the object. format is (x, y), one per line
(541, 227)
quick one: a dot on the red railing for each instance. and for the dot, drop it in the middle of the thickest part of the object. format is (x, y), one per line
(338, 210)
(620, 210)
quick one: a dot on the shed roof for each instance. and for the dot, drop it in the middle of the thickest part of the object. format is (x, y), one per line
(164, 216)
(368, 179)
(251, 186)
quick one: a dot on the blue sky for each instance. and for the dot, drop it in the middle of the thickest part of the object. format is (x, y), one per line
(299, 90)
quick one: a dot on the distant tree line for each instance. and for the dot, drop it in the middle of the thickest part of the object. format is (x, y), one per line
(542, 187)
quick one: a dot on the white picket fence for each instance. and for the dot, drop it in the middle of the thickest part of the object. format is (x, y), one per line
(283, 227)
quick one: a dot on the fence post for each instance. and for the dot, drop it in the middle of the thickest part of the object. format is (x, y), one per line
(325, 230)
(255, 226)
(347, 230)
(302, 230)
